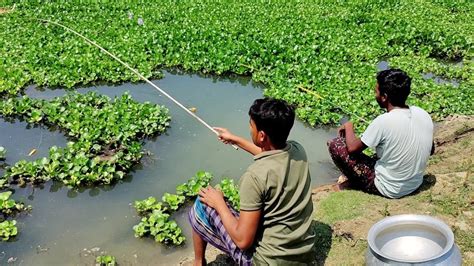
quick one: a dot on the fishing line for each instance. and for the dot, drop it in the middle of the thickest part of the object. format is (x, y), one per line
(138, 74)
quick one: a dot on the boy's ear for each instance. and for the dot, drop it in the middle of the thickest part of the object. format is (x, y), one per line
(261, 135)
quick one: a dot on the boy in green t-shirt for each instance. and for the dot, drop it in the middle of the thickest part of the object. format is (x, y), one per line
(274, 222)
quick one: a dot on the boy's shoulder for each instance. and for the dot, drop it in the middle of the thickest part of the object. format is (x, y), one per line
(273, 159)
(295, 144)
(296, 150)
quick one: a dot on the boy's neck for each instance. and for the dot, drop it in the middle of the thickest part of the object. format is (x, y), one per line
(271, 147)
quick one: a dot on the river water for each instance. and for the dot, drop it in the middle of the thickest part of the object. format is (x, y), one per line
(69, 227)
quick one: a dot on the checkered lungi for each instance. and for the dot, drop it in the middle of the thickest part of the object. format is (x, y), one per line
(358, 168)
(207, 223)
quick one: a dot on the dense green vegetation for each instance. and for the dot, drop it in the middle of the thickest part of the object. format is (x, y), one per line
(105, 137)
(155, 215)
(329, 48)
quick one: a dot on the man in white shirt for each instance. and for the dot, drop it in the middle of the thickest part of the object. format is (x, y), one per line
(402, 137)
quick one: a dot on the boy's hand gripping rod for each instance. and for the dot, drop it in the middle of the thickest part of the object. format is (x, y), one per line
(138, 74)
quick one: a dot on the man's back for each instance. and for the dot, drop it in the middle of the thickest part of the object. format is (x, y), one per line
(403, 140)
(279, 183)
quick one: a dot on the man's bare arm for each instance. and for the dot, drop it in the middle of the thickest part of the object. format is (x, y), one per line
(354, 144)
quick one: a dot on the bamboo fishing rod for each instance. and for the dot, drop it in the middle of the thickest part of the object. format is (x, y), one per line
(138, 74)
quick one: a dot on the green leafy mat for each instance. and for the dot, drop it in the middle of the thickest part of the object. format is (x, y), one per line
(106, 137)
(330, 48)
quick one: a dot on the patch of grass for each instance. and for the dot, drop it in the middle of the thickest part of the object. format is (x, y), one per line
(344, 252)
(344, 205)
(447, 206)
(435, 159)
(466, 143)
(465, 241)
(464, 166)
(385, 212)
(452, 201)
(464, 129)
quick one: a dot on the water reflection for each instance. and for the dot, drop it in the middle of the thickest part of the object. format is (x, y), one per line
(439, 80)
(383, 65)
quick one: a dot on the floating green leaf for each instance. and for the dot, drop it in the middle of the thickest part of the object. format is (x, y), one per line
(8, 229)
(106, 260)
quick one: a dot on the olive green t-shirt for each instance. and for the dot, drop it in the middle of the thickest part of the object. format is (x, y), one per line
(279, 184)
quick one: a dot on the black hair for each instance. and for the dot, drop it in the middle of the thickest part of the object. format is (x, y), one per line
(274, 117)
(395, 83)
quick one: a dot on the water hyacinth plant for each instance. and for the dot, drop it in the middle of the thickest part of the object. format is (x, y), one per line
(106, 260)
(192, 186)
(155, 220)
(106, 137)
(8, 230)
(230, 191)
(155, 215)
(146, 206)
(10, 207)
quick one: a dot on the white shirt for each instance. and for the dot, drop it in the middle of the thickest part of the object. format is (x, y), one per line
(403, 140)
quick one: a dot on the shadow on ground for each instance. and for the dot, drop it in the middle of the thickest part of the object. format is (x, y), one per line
(429, 181)
(322, 242)
(222, 259)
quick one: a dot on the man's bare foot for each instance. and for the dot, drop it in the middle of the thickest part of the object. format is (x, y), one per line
(341, 184)
(342, 179)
